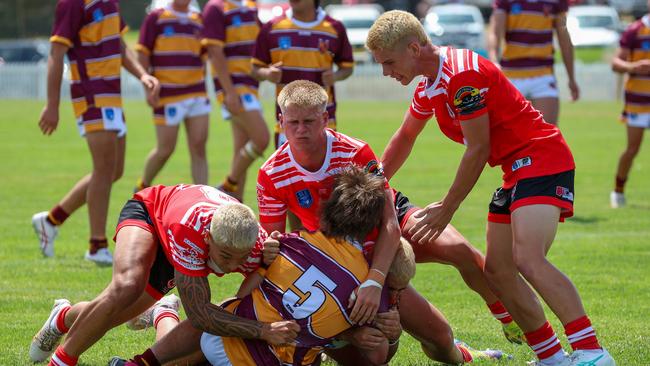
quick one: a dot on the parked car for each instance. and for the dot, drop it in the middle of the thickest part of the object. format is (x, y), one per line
(594, 26)
(24, 51)
(357, 20)
(456, 25)
(636, 8)
(269, 9)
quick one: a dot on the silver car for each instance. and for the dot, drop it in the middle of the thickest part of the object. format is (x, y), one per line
(456, 25)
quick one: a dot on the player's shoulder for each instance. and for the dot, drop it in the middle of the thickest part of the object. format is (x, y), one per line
(279, 158)
(334, 23)
(214, 4)
(341, 140)
(638, 24)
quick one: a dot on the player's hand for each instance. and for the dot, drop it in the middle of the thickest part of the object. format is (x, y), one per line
(271, 247)
(328, 78)
(575, 91)
(366, 303)
(389, 324)
(279, 333)
(641, 67)
(49, 120)
(152, 89)
(433, 220)
(367, 338)
(232, 102)
(274, 73)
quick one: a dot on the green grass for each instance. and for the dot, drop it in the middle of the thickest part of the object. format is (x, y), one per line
(605, 252)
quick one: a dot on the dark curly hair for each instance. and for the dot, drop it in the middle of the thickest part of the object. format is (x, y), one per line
(355, 206)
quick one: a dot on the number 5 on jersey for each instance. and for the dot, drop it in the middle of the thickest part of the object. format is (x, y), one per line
(312, 283)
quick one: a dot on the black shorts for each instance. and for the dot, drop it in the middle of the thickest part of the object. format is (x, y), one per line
(404, 208)
(554, 189)
(161, 275)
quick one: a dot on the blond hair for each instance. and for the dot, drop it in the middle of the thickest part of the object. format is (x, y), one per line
(234, 225)
(303, 93)
(394, 28)
(403, 267)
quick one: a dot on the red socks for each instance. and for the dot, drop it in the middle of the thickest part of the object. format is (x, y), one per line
(60, 358)
(581, 335)
(60, 320)
(544, 342)
(97, 244)
(500, 313)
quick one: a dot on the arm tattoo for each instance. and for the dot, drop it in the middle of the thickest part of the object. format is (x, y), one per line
(195, 296)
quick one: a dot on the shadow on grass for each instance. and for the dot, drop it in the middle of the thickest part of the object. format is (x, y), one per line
(637, 206)
(585, 220)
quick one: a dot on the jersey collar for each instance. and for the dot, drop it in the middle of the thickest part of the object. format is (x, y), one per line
(320, 15)
(430, 90)
(326, 163)
(646, 20)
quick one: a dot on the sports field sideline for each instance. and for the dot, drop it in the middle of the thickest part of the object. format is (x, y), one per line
(605, 252)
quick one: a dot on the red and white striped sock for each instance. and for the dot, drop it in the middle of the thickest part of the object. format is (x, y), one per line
(545, 344)
(59, 321)
(60, 358)
(500, 313)
(467, 356)
(162, 313)
(581, 334)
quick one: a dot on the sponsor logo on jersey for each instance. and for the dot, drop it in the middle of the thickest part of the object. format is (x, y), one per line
(98, 15)
(109, 113)
(516, 9)
(171, 111)
(236, 20)
(323, 45)
(645, 45)
(375, 168)
(284, 42)
(520, 163)
(168, 31)
(304, 198)
(469, 99)
(564, 193)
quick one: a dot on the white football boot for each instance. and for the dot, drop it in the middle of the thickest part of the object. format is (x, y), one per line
(598, 357)
(616, 199)
(145, 320)
(45, 232)
(46, 340)
(102, 257)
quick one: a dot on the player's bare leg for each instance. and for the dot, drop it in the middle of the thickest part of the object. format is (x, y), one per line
(533, 229)
(197, 137)
(549, 107)
(166, 137)
(107, 152)
(634, 139)
(251, 124)
(504, 279)
(135, 252)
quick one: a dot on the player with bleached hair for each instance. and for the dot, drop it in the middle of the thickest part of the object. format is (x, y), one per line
(166, 237)
(297, 178)
(475, 105)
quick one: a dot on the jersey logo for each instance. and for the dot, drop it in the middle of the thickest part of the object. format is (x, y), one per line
(375, 168)
(236, 20)
(323, 45)
(98, 15)
(171, 111)
(564, 192)
(469, 99)
(516, 9)
(645, 45)
(168, 31)
(520, 163)
(109, 114)
(284, 42)
(304, 198)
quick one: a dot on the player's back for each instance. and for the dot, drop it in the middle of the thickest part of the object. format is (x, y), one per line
(310, 281)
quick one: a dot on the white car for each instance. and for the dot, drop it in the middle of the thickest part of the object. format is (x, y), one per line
(594, 26)
(357, 20)
(457, 25)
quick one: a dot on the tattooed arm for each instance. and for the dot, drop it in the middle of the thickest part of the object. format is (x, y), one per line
(210, 318)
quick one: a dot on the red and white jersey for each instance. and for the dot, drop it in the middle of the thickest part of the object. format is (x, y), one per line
(181, 216)
(282, 184)
(468, 86)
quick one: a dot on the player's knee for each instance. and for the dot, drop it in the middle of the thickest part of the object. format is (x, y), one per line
(252, 150)
(632, 151)
(530, 266)
(197, 150)
(402, 269)
(165, 151)
(126, 290)
(377, 356)
(118, 172)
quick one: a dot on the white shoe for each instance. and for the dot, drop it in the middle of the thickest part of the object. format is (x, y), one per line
(102, 257)
(145, 320)
(46, 340)
(616, 200)
(46, 233)
(566, 361)
(592, 358)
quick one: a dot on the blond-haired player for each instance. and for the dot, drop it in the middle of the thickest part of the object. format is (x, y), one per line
(475, 105)
(166, 237)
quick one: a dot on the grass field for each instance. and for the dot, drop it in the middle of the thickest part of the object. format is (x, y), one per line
(605, 252)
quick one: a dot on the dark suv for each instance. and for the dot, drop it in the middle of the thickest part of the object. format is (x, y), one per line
(24, 51)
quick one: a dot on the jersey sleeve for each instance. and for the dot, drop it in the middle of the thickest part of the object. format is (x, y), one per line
(343, 56)
(148, 34)
(367, 159)
(420, 105)
(269, 205)
(628, 37)
(500, 5)
(262, 52)
(188, 250)
(214, 25)
(68, 19)
(467, 94)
